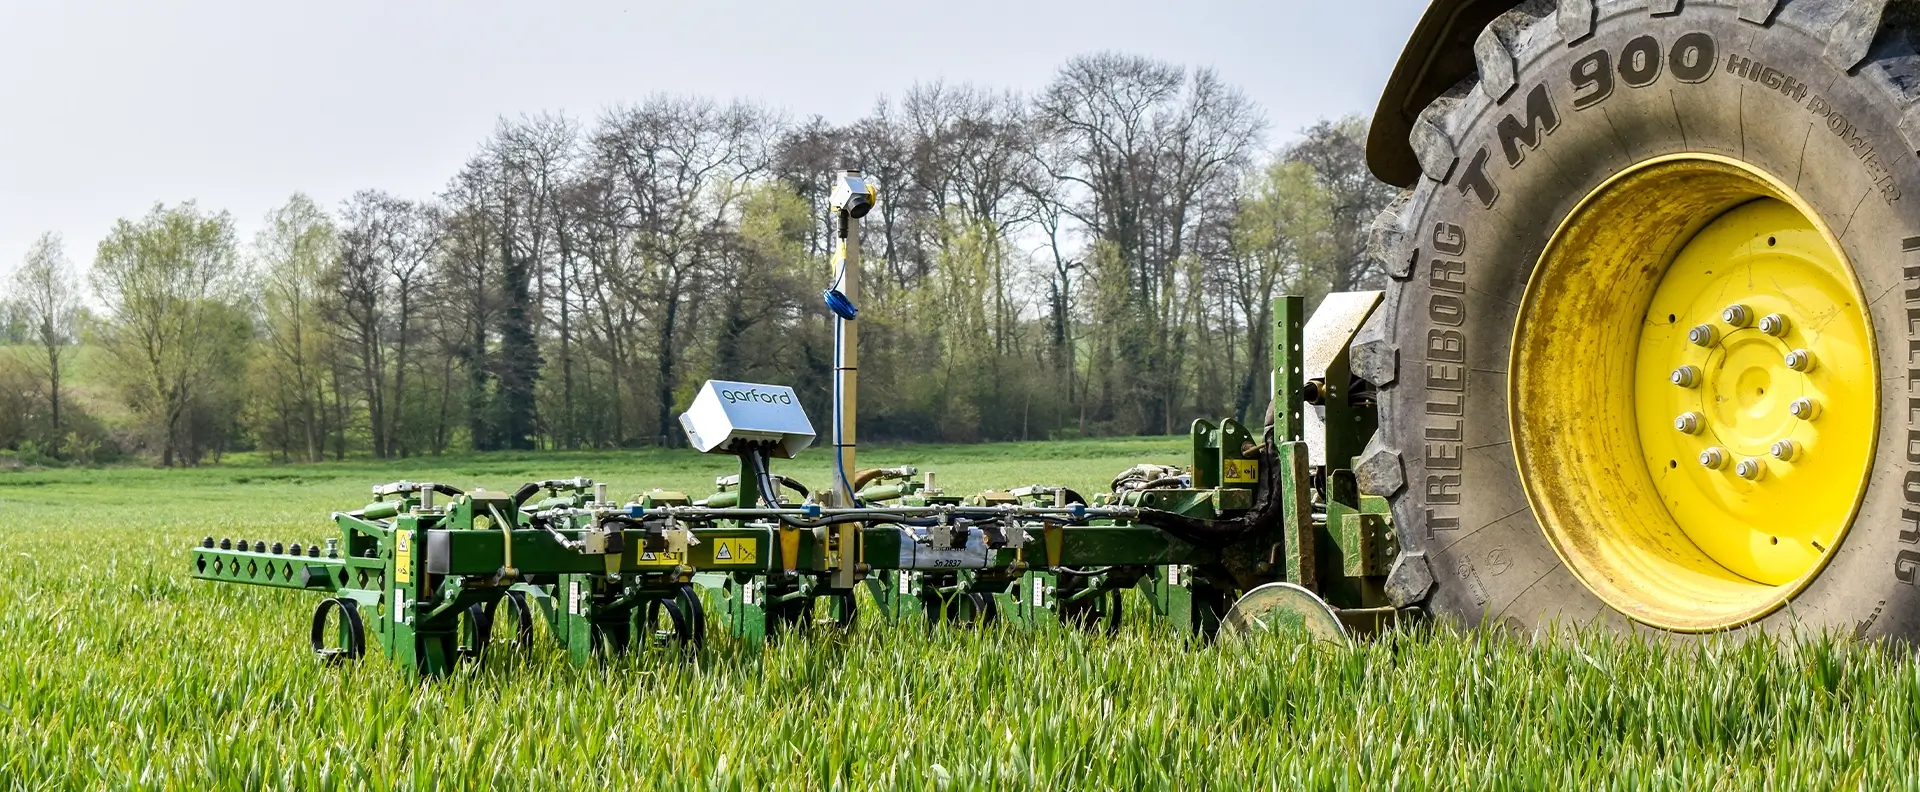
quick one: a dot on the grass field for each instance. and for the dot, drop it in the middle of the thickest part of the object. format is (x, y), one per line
(118, 672)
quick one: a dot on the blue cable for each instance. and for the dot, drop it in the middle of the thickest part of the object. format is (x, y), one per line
(843, 308)
(840, 305)
(839, 459)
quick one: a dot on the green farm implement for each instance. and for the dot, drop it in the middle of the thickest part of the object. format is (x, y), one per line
(1262, 528)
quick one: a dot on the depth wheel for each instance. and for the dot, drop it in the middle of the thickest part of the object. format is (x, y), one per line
(666, 622)
(474, 632)
(695, 608)
(1282, 608)
(342, 639)
(1648, 297)
(516, 614)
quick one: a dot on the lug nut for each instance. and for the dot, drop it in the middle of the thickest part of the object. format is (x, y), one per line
(1685, 376)
(1784, 450)
(1688, 423)
(1800, 360)
(1773, 324)
(1804, 409)
(1713, 458)
(1703, 335)
(1749, 469)
(1737, 315)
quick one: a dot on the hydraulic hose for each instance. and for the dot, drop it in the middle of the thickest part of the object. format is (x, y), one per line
(525, 493)
(1268, 503)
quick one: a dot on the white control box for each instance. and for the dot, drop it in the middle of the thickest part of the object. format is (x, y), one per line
(725, 413)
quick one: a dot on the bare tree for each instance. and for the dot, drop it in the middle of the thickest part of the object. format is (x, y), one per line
(1337, 153)
(679, 167)
(47, 302)
(1147, 143)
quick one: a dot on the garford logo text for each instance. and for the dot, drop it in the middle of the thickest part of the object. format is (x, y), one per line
(756, 395)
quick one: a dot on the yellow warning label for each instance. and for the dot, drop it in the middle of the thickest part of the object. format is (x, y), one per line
(661, 559)
(735, 551)
(1241, 471)
(402, 557)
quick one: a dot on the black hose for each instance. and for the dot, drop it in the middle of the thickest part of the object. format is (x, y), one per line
(769, 493)
(1268, 506)
(525, 493)
(793, 485)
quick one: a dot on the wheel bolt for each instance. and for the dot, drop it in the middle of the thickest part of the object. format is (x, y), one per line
(1703, 335)
(1749, 469)
(1804, 409)
(1713, 458)
(1800, 360)
(1737, 315)
(1688, 423)
(1685, 376)
(1784, 450)
(1773, 324)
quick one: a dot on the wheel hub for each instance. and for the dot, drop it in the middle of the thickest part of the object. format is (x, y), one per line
(1746, 407)
(1780, 298)
(1696, 446)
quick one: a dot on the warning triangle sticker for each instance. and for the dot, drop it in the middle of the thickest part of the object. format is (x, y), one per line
(725, 552)
(647, 557)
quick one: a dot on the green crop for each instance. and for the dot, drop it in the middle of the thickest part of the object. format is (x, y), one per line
(118, 672)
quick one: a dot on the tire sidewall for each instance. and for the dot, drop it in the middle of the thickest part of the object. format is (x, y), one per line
(1832, 135)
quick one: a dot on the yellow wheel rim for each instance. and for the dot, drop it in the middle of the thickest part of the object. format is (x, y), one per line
(1693, 393)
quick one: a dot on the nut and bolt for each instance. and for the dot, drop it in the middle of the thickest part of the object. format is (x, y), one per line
(1713, 458)
(1749, 469)
(1685, 376)
(1804, 409)
(1773, 324)
(1737, 315)
(1703, 335)
(1688, 422)
(1784, 450)
(1800, 360)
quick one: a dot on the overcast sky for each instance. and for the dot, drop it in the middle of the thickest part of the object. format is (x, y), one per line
(107, 107)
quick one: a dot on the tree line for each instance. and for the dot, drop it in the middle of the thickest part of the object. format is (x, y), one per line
(1097, 257)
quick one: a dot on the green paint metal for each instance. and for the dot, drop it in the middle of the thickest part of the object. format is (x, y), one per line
(427, 579)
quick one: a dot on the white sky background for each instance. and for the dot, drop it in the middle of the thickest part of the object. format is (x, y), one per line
(107, 107)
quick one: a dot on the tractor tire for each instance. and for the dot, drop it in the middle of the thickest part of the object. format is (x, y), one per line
(1616, 175)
